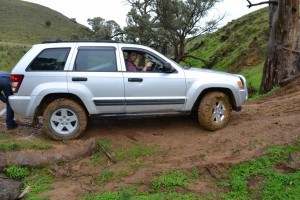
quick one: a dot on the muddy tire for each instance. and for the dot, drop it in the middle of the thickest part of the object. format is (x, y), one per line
(214, 111)
(64, 119)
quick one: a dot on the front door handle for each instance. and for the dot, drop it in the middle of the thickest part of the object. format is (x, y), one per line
(135, 80)
(79, 79)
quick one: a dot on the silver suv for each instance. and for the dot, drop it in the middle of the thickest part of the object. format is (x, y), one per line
(67, 81)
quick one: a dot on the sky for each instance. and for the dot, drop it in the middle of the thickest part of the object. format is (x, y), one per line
(117, 10)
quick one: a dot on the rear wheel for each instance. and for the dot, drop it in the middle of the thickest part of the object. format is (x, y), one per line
(64, 119)
(214, 111)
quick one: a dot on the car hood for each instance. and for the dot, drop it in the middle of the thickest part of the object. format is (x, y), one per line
(197, 72)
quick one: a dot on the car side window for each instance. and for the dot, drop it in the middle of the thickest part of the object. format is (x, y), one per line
(53, 59)
(139, 61)
(96, 59)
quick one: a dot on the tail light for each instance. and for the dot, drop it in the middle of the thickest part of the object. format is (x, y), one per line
(16, 80)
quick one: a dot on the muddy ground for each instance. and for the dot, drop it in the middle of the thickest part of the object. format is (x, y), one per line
(181, 144)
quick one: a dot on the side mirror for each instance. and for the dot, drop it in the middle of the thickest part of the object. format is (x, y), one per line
(168, 68)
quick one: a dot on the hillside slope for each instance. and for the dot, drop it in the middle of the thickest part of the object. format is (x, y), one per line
(24, 22)
(238, 45)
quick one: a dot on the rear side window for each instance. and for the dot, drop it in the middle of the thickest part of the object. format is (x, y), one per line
(50, 60)
(96, 59)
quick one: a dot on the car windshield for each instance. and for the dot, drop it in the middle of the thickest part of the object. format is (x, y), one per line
(175, 63)
(182, 67)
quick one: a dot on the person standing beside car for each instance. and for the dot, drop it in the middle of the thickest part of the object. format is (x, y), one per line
(5, 92)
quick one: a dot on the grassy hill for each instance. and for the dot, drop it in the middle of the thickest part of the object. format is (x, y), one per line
(238, 47)
(10, 53)
(24, 22)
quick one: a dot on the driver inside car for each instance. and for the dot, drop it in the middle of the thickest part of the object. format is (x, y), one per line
(130, 63)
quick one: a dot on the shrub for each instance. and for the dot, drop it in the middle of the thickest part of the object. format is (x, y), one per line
(16, 172)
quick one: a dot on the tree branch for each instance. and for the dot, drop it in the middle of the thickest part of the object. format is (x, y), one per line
(261, 3)
(120, 33)
(293, 51)
(208, 64)
(196, 46)
(107, 153)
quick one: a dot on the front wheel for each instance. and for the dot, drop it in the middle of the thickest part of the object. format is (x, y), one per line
(64, 119)
(214, 111)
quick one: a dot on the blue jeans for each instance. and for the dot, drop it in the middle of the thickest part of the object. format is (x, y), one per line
(5, 92)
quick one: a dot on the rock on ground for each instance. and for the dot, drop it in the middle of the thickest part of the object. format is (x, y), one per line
(9, 189)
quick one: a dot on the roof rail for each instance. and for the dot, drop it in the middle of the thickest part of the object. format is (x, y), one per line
(68, 41)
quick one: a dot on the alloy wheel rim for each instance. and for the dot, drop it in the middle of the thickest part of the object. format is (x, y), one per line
(219, 112)
(64, 121)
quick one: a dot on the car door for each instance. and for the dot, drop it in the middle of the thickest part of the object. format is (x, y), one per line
(96, 79)
(153, 91)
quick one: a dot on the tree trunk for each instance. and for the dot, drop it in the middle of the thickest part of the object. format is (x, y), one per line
(283, 56)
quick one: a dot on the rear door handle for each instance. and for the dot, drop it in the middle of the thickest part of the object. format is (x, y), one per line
(135, 80)
(79, 79)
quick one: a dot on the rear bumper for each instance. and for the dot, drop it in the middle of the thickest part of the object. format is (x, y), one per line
(22, 105)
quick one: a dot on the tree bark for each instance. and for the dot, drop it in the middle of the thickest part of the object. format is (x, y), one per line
(283, 56)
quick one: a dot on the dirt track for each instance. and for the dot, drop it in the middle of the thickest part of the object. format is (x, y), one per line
(269, 121)
(182, 143)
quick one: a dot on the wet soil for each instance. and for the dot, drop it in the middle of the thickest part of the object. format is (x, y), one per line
(181, 143)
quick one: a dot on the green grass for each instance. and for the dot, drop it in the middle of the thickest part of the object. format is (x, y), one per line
(8, 144)
(162, 187)
(126, 194)
(169, 180)
(275, 185)
(129, 154)
(253, 75)
(16, 172)
(235, 46)
(107, 176)
(17, 145)
(104, 196)
(135, 153)
(39, 181)
(20, 28)
(259, 96)
(10, 54)
(105, 144)
(167, 196)
(24, 22)
(98, 158)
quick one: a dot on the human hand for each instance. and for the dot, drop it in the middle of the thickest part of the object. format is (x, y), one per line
(149, 64)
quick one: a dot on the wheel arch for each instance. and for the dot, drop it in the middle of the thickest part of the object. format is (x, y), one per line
(226, 91)
(53, 96)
